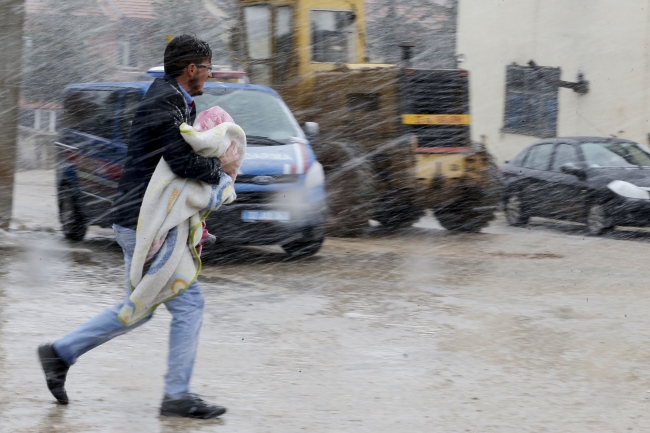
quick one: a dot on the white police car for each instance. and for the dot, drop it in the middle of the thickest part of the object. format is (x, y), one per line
(280, 188)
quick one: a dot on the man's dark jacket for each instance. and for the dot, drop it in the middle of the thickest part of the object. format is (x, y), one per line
(155, 134)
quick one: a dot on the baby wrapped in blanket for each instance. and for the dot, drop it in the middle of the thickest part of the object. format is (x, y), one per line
(166, 259)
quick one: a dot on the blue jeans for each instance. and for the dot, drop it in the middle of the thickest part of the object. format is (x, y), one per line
(187, 317)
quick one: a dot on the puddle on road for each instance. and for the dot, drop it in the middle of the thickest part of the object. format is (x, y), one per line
(469, 330)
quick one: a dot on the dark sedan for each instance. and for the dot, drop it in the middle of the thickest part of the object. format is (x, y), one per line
(603, 182)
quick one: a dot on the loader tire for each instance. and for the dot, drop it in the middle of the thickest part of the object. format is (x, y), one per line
(471, 213)
(349, 184)
(475, 207)
(396, 212)
(463, 217)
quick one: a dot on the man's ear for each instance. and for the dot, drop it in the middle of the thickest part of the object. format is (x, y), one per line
(191, 70)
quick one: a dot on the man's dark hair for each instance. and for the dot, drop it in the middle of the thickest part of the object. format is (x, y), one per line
(184, 50)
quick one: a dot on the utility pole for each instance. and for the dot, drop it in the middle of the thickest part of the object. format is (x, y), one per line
(12, 16)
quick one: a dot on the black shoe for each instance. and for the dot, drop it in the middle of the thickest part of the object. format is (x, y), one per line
(190, 406)
(55, 372)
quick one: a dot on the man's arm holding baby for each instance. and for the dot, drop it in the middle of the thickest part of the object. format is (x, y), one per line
(182, 160)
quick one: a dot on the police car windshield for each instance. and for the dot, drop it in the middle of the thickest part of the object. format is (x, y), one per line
(260, 114)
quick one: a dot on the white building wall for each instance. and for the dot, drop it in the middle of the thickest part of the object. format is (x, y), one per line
(607, 40)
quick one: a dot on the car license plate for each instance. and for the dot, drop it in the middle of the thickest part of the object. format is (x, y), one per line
(264, 215)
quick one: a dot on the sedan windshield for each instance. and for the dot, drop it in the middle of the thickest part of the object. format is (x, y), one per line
(260, 114)
(615, 155)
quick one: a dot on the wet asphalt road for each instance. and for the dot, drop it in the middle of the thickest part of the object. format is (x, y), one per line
(539, 329)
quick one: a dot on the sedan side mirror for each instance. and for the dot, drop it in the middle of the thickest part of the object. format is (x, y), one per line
(571, 168)
(311, 131)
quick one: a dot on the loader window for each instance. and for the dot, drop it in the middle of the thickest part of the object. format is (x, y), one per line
(258, 31)
(283, 42)
(363, 102)
(258, 38)
(332, 36)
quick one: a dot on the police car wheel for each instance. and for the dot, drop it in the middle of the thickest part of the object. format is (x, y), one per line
(72, 222)
(301, 248)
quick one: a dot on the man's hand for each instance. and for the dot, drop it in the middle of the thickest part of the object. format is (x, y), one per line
(230, 161)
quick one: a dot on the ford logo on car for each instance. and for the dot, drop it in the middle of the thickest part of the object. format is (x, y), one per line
(263, 180)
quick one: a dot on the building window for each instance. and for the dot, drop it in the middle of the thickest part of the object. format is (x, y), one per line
(125, 52)
(45, 120)
(531, 101)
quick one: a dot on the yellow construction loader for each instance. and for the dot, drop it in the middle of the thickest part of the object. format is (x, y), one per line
(394, 140)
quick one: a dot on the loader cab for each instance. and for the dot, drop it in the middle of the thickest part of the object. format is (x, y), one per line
(283, 43)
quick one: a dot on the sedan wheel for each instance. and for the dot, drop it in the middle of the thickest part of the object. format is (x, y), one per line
(514, 212)
(598, 222)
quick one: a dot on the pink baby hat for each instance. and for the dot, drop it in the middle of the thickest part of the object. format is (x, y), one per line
(208, 119)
